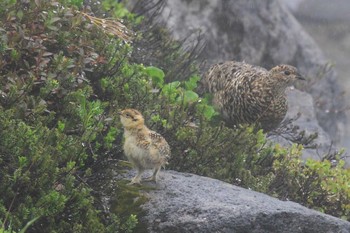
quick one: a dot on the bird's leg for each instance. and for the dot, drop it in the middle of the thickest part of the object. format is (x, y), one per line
(137, 178)
(154, 176)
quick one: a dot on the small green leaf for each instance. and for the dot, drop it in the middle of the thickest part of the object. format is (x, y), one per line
(15, 54)
(174, 85)
(190, 96)
(171, 91)
(20, 14)
(104, 83)
(29, 224)
(22, 161)
(70, 165)
(110, 137)
(207, 110)
(126, 87)
(60, 126)
(156, 74)
(192, 82)
(171, 87)
(77, 3)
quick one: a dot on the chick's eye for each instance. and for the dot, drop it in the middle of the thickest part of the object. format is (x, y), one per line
(286, 72)
(127, 115)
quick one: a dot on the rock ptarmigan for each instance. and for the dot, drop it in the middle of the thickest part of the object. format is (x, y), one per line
(247, 94)
(144, 148)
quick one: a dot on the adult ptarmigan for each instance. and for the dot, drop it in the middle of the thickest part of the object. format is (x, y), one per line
(247, 94)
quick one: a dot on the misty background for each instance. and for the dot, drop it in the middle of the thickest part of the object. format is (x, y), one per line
(328, 23)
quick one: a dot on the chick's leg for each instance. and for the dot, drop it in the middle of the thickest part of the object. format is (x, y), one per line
(137, 178)
(154, 177)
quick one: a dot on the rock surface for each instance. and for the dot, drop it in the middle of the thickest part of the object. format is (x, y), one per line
(323, 10)
(300, 102)
(329, 25)
(262, 33)
(183, 202)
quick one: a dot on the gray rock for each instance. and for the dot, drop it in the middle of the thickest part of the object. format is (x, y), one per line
(301, 104)
(264, 33)
(293, 5)
(323, 10)
(184, 202)
(328, 23)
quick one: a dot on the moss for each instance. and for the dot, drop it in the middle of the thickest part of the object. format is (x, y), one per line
(128, 200)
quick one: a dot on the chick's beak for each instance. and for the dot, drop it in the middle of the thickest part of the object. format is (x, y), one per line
(119, 112)
(300, 77)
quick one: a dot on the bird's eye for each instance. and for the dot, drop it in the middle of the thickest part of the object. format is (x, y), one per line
(127, 115)
(286, 72)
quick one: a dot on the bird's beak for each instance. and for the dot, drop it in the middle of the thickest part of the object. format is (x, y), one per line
(119, 112)
(300, 77)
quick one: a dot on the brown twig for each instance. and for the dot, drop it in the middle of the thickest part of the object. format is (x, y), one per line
(111, 26)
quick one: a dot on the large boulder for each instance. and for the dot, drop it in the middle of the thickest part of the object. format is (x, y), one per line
(260, 32)
(182, 202)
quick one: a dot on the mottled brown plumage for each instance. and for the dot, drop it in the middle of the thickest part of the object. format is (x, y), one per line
(144, 148)
(250, 94)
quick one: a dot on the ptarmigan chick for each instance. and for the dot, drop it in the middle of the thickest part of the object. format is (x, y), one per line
(144, 148)
(250, 94)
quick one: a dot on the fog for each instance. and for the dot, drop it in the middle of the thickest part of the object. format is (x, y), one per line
(327, 22)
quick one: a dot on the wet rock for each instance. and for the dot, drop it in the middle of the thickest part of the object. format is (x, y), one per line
(183, 202)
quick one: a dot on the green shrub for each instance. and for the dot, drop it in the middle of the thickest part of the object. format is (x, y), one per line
(315, 184)
(52, 120)
(62, 80)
